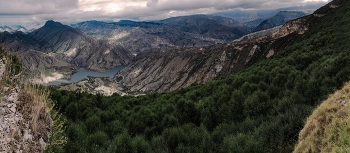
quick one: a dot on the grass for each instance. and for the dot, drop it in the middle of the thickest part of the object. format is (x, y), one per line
(35, 105)
(39, 108)
(328, 128)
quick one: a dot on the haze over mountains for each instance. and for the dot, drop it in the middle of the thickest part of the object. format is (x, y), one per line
(256, 16)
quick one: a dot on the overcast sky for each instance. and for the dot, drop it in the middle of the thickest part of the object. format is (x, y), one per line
(68, 11)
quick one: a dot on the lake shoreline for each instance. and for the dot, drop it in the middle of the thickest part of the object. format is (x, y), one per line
(82, 73)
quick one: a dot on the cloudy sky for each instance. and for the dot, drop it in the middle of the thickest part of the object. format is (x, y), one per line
(69, 11)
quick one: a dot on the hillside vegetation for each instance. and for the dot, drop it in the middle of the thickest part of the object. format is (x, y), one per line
(327, 129)
(259, 109)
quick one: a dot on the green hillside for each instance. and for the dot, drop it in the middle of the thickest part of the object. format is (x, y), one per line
(260, 109)
(327, 129)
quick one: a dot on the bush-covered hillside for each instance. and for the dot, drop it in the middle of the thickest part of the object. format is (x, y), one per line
(260, 109)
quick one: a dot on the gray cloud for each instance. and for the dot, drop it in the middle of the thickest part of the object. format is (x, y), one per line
(18, 7)
(79, 10)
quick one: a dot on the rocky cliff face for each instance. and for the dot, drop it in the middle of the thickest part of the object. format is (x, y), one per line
(259, 34)
(299, 26)
(184, 67)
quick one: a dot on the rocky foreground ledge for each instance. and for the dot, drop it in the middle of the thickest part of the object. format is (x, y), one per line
(21, 130)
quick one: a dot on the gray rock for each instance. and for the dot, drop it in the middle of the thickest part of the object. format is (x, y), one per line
(13, 108)
(2, 111)
(27, 136)
(5, 89)
(42, 143)
(12, 98)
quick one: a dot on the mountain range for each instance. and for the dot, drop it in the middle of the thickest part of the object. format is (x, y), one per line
(249, 16)
(249, 95)
(162, 70)
(56, 50)
(278, 19)
(186, 31)
(261, 108)
(61, 49)
(24, 27)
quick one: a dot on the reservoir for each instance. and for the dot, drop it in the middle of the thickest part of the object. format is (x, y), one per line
(83, 73)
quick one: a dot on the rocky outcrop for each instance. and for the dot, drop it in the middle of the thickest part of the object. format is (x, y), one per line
(299, 26)
(20, 129)
(15, 132)
(259, 34)
(2, 67)
(103, 85)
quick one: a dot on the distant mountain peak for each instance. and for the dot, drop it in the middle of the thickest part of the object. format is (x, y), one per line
(52, 23)
(279, 19)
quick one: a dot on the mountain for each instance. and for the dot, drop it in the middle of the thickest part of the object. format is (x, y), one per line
(24, 27)
(247, 16)
(74, 46)
(187, 66)
(279, 19)
(160, 70)
(261, 108)
(187, 31)
(163, 70)
(254, 23)
(210, 25)
(197, 65)
(244, 16)
(56, 47)
(5, 28)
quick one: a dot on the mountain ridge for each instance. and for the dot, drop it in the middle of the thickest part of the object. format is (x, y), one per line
(57, 47)
(261, 108)
(279, 19)
(184, 32)
(164, 70)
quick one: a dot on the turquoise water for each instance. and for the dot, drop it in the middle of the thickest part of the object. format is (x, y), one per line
(83, 73)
